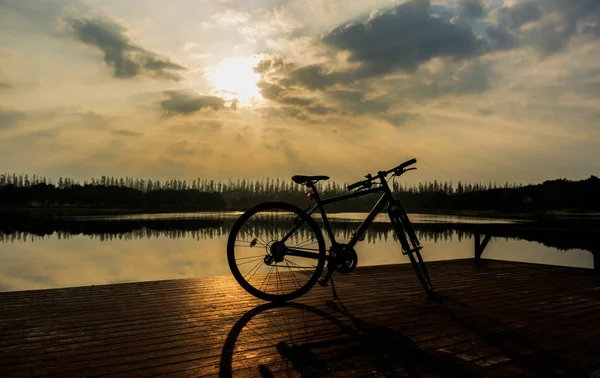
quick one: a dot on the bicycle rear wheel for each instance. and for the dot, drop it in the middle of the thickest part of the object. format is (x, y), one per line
(276, 251)
(410, 244)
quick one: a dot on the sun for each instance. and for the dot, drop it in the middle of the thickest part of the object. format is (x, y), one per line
(234, 78)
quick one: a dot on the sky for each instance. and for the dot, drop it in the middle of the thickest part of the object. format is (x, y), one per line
(476, 90)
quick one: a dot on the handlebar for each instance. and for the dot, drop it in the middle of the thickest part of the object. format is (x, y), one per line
(381, 174)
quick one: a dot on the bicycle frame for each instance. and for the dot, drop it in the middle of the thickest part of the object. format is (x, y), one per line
(384, 200)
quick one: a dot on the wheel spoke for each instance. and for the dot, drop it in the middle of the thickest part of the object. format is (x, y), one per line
(257, 267)
(251, 261)
(271, 272)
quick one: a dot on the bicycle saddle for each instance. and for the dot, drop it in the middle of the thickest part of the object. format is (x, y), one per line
(300, 179)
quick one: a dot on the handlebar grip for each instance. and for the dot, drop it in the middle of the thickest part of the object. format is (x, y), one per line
(407, 163)
(355, 185)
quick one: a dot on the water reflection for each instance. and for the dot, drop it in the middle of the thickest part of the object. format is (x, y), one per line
(67, 252)
(343, 231)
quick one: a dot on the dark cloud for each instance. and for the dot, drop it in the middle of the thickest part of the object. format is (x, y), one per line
(519, 14)
(351, 102)
(277, 93)
(282, 112)
(46, 133)
(5, 87)
(124, 132)
(186, 102)
(125, 58)
(501, 38)
(401, 119)
(272, 63)
(319, 109)
(10, 118)
(592, 29)
(472, 8)
(548, 35)
(316, 77)
(455, 79)
(91, 118)
(402, 39)
(37, 18)
(484, 111)
(346, 96)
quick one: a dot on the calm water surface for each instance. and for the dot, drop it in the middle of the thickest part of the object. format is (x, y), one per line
(101, 250)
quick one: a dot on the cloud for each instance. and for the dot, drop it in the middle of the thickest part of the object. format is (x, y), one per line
(187, 102)
(472, 8)
(282, 112)
(124, 132)
(91, 118)
(396, 41)
(401, 119)
(231, 17)
(277, 93)
(519, 14)
(547, 25)
(9, 118)
(5, 87)
(353, 102)
(181, 148)
(120, 53)
(402, 39)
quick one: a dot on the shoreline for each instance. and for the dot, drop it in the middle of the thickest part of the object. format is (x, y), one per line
(78, 211)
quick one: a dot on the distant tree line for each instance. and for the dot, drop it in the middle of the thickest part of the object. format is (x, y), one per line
(203, 194)
(38, 192)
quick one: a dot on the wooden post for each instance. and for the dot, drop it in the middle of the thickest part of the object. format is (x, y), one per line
(479, 245)
(477, 242)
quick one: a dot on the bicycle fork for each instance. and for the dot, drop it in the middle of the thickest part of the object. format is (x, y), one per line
(401, 224)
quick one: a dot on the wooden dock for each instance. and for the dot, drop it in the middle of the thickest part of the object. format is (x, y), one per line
(492, 319)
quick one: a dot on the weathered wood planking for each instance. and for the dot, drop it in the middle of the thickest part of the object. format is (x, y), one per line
(492, 319)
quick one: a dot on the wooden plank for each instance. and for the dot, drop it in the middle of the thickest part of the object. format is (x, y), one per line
(496, 318)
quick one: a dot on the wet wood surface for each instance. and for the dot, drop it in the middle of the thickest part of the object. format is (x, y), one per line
(490, 319)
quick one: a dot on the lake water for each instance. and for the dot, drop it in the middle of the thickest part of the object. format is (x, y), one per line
(101, 250)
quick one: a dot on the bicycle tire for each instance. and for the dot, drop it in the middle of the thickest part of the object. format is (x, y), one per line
(244, 225)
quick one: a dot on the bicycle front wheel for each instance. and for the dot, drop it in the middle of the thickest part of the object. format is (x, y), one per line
(276, 251)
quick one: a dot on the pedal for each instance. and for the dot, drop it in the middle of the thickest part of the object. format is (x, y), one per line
(323, 282)
(412, 250)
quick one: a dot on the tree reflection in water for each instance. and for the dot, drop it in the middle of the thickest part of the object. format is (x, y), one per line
(12, 231)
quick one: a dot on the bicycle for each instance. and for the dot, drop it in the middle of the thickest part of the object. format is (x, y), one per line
(302, 260)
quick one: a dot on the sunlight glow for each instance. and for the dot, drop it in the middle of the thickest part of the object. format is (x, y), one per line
(234, 78)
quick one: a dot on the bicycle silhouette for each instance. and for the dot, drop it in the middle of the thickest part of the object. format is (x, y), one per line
(276, 251)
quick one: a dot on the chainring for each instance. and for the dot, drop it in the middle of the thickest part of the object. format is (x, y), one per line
(344, 257)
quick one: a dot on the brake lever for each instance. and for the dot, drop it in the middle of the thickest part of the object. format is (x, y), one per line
(399, 173)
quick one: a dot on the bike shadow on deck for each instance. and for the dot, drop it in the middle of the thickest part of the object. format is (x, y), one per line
(334, 341)
(346, 344)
